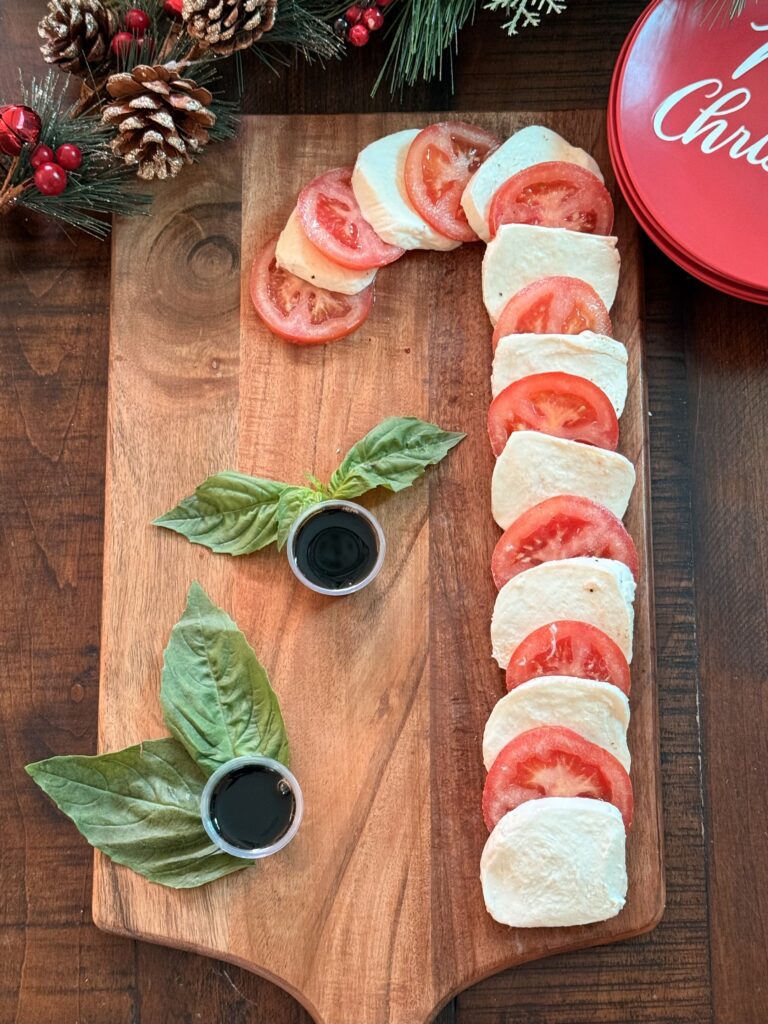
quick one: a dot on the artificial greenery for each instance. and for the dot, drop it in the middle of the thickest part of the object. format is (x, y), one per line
(141, 806)
(103, 184)
(98, 187)
(236, 514)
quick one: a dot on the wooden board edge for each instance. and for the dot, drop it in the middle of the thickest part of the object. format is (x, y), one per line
(99, 871)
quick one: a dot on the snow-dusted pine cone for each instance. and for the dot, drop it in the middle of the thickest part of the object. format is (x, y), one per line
(76, 35)
(162, 119)
(228, 25)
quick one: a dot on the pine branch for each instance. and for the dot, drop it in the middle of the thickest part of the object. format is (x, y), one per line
(98, 187)
(303, 26)
(423, 34)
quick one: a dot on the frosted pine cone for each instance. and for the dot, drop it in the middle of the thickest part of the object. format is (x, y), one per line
(228, 25)
(76, 35)
(162, 119)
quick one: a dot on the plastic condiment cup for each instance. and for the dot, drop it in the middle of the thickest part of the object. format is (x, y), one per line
(351, 506)
(260, 851)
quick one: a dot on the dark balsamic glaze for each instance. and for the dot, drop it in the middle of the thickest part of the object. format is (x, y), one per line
(336, 548)
(252, 807)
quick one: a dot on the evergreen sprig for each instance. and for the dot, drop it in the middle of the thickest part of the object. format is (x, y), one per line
(98, 187)
(423, 37)
(303, 26)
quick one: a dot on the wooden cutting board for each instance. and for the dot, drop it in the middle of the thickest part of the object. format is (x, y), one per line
(374, 915)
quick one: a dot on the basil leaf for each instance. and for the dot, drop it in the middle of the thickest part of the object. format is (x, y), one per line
(215, 694)
(141, 807)
(292, 503)
(392, 455)
(230, 513)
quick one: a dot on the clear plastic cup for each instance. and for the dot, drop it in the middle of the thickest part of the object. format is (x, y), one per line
(260, 851)
(351, 506)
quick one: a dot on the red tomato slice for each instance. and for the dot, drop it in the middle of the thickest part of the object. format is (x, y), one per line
(553, 195)
(301, 312)
(333, 223)
(566, 526)
(554, 761)
(440, 162)
(568, 648)
(554, 305)
(560, 404)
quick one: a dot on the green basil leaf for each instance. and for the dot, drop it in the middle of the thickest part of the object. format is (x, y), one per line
(230, 513)
(292, 503)
(215, 694)
(141, 807)
(392, 455)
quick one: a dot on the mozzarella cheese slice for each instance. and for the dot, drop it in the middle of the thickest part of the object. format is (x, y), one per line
(597, 711)
(296, 254)
(594, 356)
(536, 466)
(378, 181)
(555, 862)
(532, 145)
(595, 590)
(522, 253)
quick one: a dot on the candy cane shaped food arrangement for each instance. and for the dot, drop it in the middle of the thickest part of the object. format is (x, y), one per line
(558, 797)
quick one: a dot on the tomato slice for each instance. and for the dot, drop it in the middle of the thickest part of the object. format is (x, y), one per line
(568, 648)
(560, 404)
(556, 194)
(554, 305)
(566, 526)
(554, 761)
(333, 222)
(301, 312)
(440, 161)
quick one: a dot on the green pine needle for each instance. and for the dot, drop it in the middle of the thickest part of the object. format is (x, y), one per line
(716, 11)
(303, 26)
(423, 36)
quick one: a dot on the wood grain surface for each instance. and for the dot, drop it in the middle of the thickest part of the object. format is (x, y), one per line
(365, 917)
(708, 390)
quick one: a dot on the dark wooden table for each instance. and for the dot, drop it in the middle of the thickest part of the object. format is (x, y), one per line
(708, 372)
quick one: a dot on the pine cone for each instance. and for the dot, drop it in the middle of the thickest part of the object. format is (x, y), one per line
(76, 35)
(161, 119)
(228, 25)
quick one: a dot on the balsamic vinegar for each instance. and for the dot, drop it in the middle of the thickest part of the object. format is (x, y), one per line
(336, 548)
(252, 807)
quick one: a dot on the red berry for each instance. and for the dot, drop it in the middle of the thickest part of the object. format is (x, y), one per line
(69, 156)
(384, 3)
(358, 35)
(173, 8)
(50, 179)
(353, 14)
(41, 155)
(137, 21)
(121, 43)
(373, 19)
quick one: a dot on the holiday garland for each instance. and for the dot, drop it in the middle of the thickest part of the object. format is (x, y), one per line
(148, 76)
(148, 80)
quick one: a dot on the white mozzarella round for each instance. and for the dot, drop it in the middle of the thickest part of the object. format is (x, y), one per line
(532, 145)
(534, 466)
(299, 256)
(378, 181)
(523, 253)
(594, 356)
(597, 711)
(555, 862)
(599, 591)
